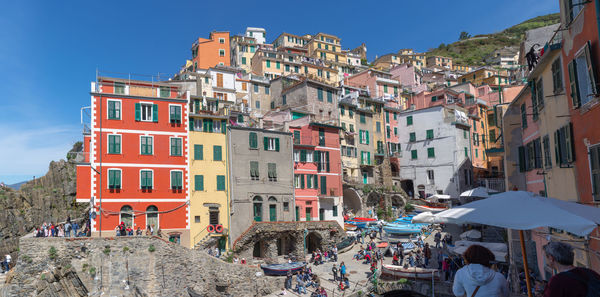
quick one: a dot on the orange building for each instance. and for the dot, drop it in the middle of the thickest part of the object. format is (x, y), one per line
(137, 148)
(210, 52)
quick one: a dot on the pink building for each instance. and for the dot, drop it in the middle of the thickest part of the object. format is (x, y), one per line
(409, 77)
(392, 111)
(379, 83)
(317, 171)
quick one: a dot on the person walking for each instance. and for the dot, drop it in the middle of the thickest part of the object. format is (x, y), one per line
(437, 238)
(6, 262)
(570, 280)
(68, 228)
(334, 270)
(477, 278)
(288, 280)
(427, 254)
(342, 270)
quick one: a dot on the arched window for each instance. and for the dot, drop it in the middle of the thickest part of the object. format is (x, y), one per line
(257, 207)
(152, 217)
(126, 215)
(272, 209)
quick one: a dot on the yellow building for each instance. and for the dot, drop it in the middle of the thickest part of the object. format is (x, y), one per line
(440, 61)
(478, 76)
(326, 48)
(209, 204)
(242, 51)
(419, 60)
(461, 68)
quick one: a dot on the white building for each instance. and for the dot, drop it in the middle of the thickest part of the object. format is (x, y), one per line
(434, 158)
(260, 34)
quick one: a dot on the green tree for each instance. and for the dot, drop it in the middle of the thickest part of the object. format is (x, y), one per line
(464, 35)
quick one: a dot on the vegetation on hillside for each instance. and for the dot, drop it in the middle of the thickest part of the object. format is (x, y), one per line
(470, 50)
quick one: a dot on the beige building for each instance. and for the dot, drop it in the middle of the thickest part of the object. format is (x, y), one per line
(326, 48)
(440, 61)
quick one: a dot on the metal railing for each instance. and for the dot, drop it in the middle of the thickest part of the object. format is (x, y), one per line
(496, 184)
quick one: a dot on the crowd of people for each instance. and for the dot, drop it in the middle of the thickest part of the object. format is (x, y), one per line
(304, 279)
(126, 230)
(67, 229)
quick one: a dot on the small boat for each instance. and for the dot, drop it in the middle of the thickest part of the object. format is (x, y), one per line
(346, 244)
(350, 227)
(396, 272)
(282, 269)
(424, 208)
(393, 228)
(357, 224)
(382, 245)
(360, 219)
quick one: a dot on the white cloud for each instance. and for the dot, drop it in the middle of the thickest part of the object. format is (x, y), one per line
(28, 151)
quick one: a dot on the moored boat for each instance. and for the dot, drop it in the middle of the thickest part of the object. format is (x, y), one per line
(393, 271)
(345, 245)
(282, 269)
(424, 208)
(393, 228)
(361, 219)
(350, 227)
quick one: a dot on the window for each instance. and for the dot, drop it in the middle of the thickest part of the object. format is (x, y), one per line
(221, 40)
(320, 72)
(296, 69)
(277, 64)
(582, 80)
(272, 171)
(466, 153)
(491, 117)
(395, 116)
(287, 67)
(253, 140)
(564, 145)
(362, 118)
(114, 178)
(176, 146)
(409, 120)
(364, 136)
(323, 185)
(146, 179)
(286, 206)
(395, 131)
(320, 94)
(197, 219)
(365, 158)
(547, 156)
(255, 88)
(351, 127)
(385, 88)
(492, 134)
(217, 156)
(430, 152)
(268, 63)
(413, 154)
(252, 49)
(572, 9)
(220, 182)
(475, 139)
(114, 110)
(388, 132)
(257, 104)
(146, 112)
(175, 114)
(299, 181)
(433, 98)
(198, 182)
(176, 180)
(557, 84)
(221, 53)
(267, 91)
(430, 134)
(114, 144)
(254, 173)
(321, 136)
(595, 171)
(412, 137)
(351, 114)
(119, 87)
(523, 116)
(378, 127)
(271, 144)
(342, 110)
(430, 176)
(334, 209)
(243, 60)
(165, 92)
(329, 95)
(146, 145)
(284, 100)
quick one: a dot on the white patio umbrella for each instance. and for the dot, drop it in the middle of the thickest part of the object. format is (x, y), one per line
(521, 211)
(479, 192)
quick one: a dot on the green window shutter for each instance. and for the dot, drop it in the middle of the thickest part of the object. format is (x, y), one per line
(302, 181)
(253, 140)
(335, 210)
(522, 159)
(412, 137)
(362, 118)
(316, 157)
(117, 182)
(199, 182)
(367, 133)
(224, 126)
(243, 60)
(276, 144)
(395, 130)
(198, 152)
(387, 116)
(138, 112)
(191, 126)
(297, 137)
(111, 110)
(220, 183)
(327, 156)
(266, 143)
(329, 95)
(309, 181)
(409, 120)
(323, 185)
(413, 154)
(302, 155)
(217, 156)
(155, 113)
(320, 94)
(143, 179)
(430, 152)
(369, 158)
(362, 157)
(574, 84)
(254, 169)
(111, 179)
(430, 134)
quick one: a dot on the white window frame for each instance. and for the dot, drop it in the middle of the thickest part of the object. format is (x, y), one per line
(222, 40)
(170, 152)
(221, 51)
(582, 52)
(216, 126)
(140, 177)
(180, 113)
(309, 156)
(121, 176)
(296, 155)
(120, 109)
(142, 104)
(120, 144)
(271, 146)
(140, 144)
(297, 183)
(171, 181)
(198, 125)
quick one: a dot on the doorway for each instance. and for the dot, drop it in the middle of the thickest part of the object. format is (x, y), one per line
(321, 214)
(308, 213)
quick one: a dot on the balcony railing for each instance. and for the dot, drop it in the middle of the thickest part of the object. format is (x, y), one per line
(496, 184)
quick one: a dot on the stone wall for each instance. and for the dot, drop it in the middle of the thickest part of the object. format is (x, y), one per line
(128, 266)
(282, 238)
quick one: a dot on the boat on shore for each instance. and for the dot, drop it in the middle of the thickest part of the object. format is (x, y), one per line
(350, 227)
(395, 272)
(361, 219)
(282, 269)
(345, 245)
(433, 209)
(394, 228)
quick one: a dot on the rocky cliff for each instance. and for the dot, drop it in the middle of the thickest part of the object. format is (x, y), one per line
(50, 198)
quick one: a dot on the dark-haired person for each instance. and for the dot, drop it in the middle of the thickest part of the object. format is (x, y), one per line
(570, 281)
(476, 278)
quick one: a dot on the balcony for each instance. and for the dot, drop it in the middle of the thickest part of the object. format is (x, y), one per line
(496, 184)
(130, 87)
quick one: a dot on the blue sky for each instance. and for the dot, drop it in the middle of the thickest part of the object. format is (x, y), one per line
(50, 50)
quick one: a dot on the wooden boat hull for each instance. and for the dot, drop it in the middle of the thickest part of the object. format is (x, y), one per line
(282, 269)
(345, 245)
(350, 227)
(393, 271)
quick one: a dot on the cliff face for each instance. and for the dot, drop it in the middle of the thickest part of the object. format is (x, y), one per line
(50, 198)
